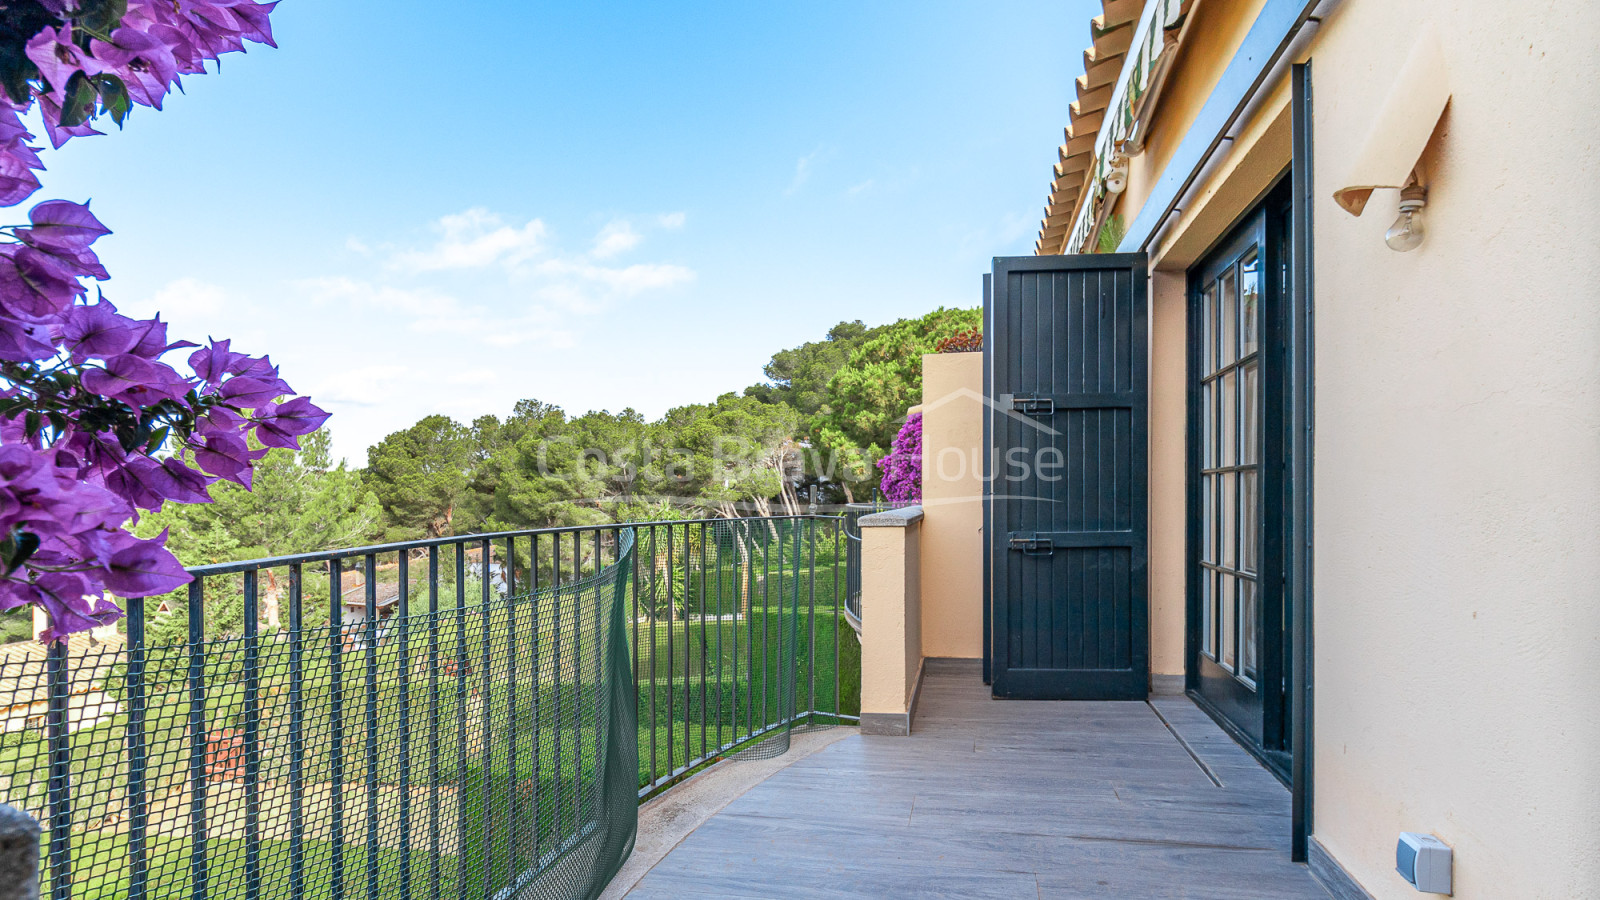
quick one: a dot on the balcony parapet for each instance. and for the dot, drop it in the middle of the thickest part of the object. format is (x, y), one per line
(891, 632)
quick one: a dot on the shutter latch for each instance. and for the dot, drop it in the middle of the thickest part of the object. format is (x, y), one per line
(1033, 545)
(1033, 404)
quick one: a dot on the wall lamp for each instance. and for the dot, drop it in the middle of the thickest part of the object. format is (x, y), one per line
(1399, 130)
(1407, 232)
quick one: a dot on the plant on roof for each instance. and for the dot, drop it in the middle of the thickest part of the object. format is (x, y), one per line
(902, 468)
(967, 341)
(96, 422)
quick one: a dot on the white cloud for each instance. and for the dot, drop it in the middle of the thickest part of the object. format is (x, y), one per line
(617, 237)
(859, 188)
(802, 173)
(516, 293)
(433, 313)
(411, 301)
(472, 378)
(361, 387)
(475, 239)
(185, 298)
(671, 221)
(571, 279)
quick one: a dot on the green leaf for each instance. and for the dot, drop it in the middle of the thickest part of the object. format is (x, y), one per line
(31, 423)
(81, 100)
(18, 551)
(113, 97)
(102, 16)
(156, 441)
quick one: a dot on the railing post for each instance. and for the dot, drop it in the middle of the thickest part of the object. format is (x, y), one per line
(252, 739)
(297, 741)
(461, 717)
(433, 723)
(513, 829)
(19, 855)
(336, 743)
(138, 807)
(538, 691)
(60, 785)
(370, 629)
(487, 704)
(403, 613)
(198, 861)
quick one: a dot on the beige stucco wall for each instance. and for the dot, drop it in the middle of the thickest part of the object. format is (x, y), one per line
(952, 505)
(1457, 555)
(1168, 440)
(1457, 445)
(891, 617)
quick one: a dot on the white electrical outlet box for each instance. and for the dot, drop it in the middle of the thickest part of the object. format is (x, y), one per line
(1423, 860)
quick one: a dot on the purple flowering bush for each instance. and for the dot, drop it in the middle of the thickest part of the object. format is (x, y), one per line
(902, 468)
(96, 421)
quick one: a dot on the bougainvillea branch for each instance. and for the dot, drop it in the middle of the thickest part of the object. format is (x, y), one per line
(902, 468)
(95, 421)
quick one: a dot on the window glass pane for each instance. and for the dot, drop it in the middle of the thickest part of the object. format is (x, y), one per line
(1227, 616)
(1226, 421)
(1247, 627)
(1249, 521)
(1208, 522)
(1208, 612)
(1249, 303)
(1249, 411)
(1208, 330)
(1229, 498)
(1230, 316)
(1208, 425)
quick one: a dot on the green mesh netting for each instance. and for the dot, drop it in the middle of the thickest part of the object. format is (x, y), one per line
(472, 717)
(484, 748)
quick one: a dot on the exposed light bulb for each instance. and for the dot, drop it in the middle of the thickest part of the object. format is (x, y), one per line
(1407, 231)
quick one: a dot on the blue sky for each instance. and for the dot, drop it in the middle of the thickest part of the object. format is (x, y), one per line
(594, 206)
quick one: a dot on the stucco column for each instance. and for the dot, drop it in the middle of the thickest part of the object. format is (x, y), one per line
(891, 619)
(952, 496)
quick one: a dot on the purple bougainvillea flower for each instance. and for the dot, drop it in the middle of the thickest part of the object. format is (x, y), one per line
(144, 568)
(280, 424)
(152, 338)
(133, 481)
(181, 483)
(68, 491)
(18, 160)
(73, 604)
(62, 225)
(59, 58)
(902, 468)
(212, 363)
(246, 392)
(145, 63)
(59, 134)
(227, 456)
(33, 286)
(98, 331)
(23, 341)
(136, 381)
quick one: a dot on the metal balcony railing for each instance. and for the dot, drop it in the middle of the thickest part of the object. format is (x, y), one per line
(851, 518)
(470, 716)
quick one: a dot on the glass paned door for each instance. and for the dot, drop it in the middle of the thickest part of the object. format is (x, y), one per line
(1230, 433)
(1238, 492)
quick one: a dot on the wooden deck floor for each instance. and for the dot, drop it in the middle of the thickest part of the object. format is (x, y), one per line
(1004, 799)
